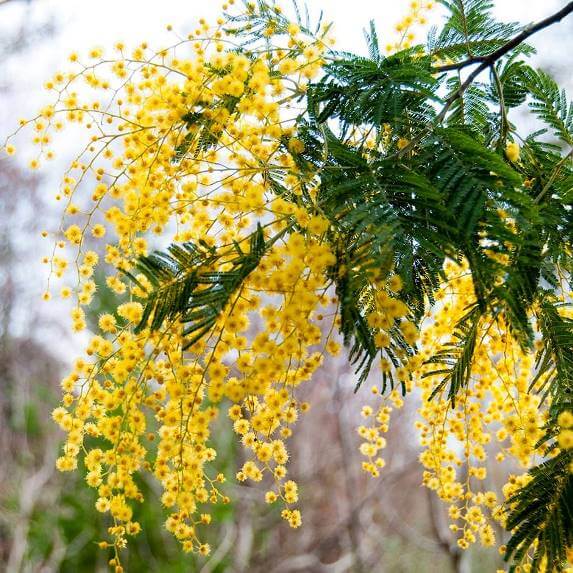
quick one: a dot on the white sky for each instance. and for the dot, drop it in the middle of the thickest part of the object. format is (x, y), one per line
(82, 24)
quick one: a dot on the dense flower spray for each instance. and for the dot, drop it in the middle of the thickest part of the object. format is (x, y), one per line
(154, 168)
(197, 144)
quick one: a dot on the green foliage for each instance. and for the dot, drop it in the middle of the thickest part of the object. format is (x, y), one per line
(436, 185)
(187, 286)
(362, 91)
(549, 103)
(555, 358)
(542, 512)
(470, 31)
(457, 356)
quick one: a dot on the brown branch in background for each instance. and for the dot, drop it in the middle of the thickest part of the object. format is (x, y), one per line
(349, 485)
(30, 493)
(442, 534)
(2, 2)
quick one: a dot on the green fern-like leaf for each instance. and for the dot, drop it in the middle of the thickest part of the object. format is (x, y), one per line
(457, 356)
(185, 287)
(550, 103)
(540, 515)
(470, 31)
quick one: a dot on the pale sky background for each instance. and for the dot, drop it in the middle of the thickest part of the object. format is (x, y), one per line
(81, 24)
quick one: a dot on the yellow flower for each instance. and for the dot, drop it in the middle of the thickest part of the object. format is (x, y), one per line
(565, 439)
(512, 151)
(565, 419)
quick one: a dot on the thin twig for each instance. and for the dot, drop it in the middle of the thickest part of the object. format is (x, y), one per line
(490, 60)
(502, 108)
(554, 175)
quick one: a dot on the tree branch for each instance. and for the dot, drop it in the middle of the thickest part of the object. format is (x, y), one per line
(7, 1)
(490, 59)
(486, 62)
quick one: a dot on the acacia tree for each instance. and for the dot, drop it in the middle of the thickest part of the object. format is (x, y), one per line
(388, 199)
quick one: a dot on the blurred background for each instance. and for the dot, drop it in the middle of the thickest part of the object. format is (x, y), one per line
(352, 523)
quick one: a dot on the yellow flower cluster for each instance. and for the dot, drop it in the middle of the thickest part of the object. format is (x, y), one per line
(497, 407)
(197, 143)
(374, 441)
(512, 151)
(405, 28)
(565, 437)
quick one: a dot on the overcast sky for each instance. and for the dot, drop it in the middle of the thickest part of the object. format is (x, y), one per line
(81, 24)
